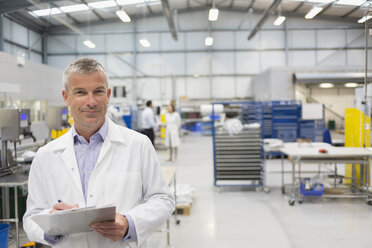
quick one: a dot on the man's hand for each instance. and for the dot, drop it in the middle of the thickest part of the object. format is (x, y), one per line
(63, 206)
(114, 230)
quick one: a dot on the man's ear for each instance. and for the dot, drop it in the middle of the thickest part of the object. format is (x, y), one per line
(65, 97)
(108, 95)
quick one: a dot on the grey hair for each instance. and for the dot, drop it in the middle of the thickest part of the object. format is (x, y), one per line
(83, 66)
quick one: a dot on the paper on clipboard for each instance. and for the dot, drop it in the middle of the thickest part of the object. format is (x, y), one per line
(76, 220)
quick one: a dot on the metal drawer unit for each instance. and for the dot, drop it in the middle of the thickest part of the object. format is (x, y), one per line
(239, 157)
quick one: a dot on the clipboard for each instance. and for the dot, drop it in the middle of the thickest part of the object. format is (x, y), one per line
(77, 220)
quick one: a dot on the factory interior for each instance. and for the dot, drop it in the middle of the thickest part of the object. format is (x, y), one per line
(260, 111)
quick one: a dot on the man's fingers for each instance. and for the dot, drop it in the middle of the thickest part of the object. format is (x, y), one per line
(63, 206)
(110, 234)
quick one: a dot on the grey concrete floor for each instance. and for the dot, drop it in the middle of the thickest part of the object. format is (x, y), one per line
(237, 217)
(243, 218)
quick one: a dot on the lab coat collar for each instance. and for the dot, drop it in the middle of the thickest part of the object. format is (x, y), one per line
(113, 134)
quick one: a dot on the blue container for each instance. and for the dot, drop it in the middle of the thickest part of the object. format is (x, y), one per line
(316, 191)
(4, 232)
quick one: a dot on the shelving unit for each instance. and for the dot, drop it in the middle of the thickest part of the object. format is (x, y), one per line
(238, 158)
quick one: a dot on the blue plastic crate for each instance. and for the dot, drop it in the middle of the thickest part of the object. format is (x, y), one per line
(312, 191)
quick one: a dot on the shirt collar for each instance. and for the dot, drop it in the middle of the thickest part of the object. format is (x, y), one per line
(102, 132)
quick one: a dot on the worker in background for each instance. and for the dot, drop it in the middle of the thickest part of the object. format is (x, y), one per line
(97, 163)
(172, 135)
(148, 122)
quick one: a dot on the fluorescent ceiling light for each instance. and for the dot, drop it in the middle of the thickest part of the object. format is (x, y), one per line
(313, 12)
(364, 19)
(351, 85)
(208, 41)
(123, 15)
(89, 44)
(351, 2)
(279, 20)
(326, 85)
(46, 12)
(340, 2)
(144, 42)
(83, 7)
(131, 2)
(102, 4)
(213, 14)
(74, 8)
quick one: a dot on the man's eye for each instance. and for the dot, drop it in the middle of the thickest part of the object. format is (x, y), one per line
(100, 92)
(80, 92)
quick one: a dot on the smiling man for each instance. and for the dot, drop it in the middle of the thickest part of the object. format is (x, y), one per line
(97, 163)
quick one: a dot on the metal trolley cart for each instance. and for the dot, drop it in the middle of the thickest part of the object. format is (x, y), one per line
(238, 158)
(356, 188)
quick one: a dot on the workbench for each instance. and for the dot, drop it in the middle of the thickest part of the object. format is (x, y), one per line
(13, 181)
(170, 177)
(299, 153)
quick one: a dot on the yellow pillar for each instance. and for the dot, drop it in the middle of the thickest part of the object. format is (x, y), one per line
(357, 134)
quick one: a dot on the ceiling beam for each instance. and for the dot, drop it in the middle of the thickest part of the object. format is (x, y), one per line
(264, 17)
(350, 12)
(25, 22)
(168, 15)
(326, 8)
(94, 11)
(298, 7)
(246, 14)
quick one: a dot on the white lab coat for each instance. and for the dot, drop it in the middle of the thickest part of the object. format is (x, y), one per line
(172, 136)
(127, 174)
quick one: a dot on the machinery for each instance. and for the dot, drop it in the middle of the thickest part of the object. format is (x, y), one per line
(57, 117)
(15, 125)
(57, 121)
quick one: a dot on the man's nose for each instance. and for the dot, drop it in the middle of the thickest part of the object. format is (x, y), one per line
(91, 99)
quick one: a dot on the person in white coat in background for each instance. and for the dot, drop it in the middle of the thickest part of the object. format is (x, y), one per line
(97, 163)
(172, 135)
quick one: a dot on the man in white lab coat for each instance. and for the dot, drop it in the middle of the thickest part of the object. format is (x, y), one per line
(97, 163)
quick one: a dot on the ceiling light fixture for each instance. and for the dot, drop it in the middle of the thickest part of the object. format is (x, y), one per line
(326, 85)
(144, 42)
(208, 41)
(278, 21)
(364, 19)
(83, 7)
(313, 12)
(351, 85)
(123, 15)
(89, 44)
(213, 14)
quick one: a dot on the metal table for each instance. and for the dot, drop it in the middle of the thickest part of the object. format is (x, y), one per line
(345, 155)
(14, 181)
(170, 177)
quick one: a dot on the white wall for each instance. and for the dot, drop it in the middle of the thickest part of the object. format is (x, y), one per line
(223, 71)
(36, 81)
(20, 39)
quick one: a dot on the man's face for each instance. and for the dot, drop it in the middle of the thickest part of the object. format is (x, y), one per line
(87, 96)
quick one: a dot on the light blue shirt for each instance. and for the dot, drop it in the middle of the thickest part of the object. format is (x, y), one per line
(87, 156)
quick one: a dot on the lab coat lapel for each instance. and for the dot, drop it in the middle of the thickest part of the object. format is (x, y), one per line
(69, 159)
(113, 135)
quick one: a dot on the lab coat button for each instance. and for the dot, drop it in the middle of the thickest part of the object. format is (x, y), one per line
(91, 196)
